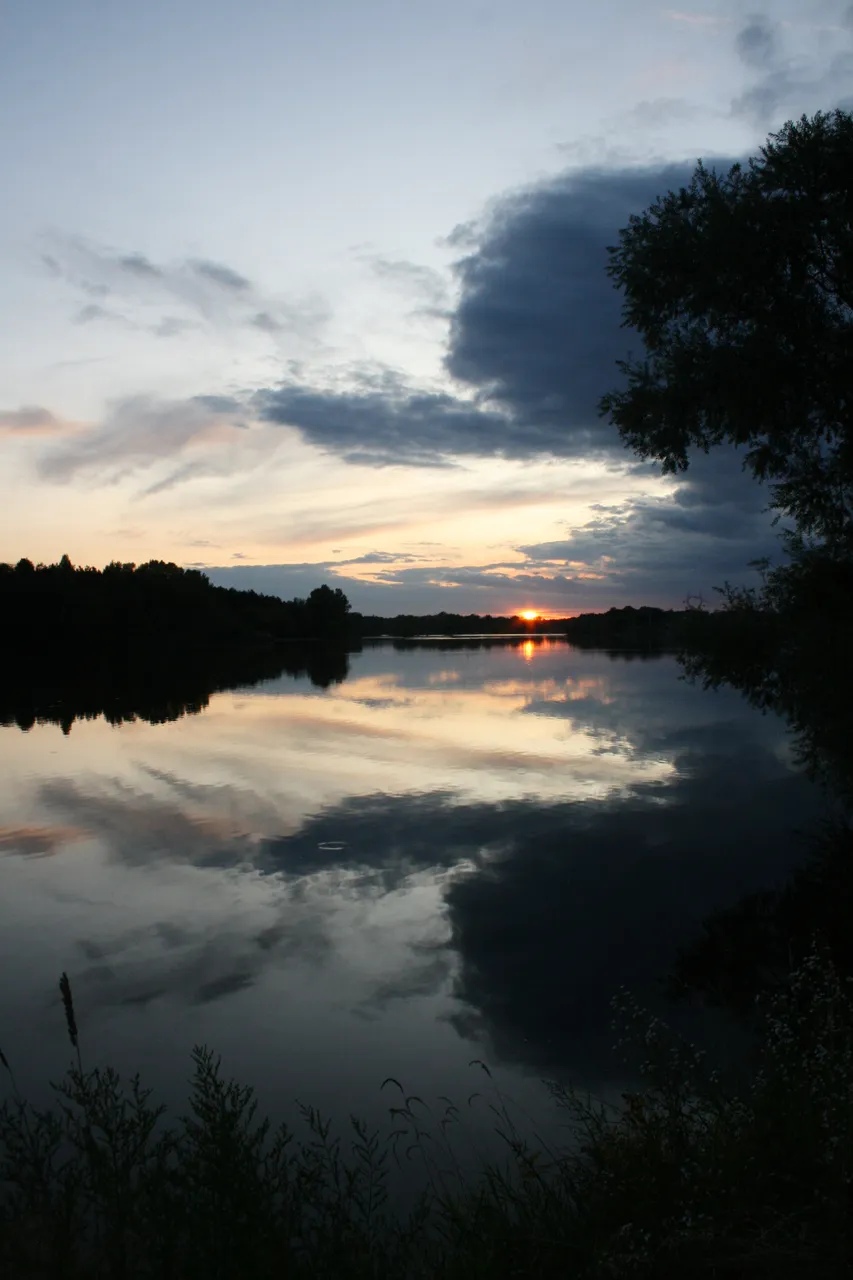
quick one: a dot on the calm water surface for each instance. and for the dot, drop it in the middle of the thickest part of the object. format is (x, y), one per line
(452, 854)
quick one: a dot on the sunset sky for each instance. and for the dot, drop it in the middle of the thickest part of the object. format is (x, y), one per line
(315, 292)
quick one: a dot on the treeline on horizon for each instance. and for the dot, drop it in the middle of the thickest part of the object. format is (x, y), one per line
(155, 606)
(627, 627)
(162, 606)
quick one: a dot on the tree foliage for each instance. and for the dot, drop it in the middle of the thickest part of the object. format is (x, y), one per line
(741, 286)
(154, 607)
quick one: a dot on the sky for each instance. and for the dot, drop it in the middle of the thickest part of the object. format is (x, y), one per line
(316, 293)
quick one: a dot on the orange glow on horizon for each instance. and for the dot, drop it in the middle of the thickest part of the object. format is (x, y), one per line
(530, 615)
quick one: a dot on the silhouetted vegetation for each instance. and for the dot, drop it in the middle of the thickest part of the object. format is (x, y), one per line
(786, 647)
(741, 286)
(646, 628)
(58, 608)
(407, 625)
(692, 1176)
(750, 948)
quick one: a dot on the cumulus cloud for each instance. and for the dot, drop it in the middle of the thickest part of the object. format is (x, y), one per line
(533, 340)
(532, 345)
(538, 324)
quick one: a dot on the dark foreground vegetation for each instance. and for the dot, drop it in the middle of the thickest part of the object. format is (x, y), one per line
(155, 607)
(688, 1177)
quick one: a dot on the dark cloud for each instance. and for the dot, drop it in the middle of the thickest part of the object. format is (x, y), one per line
(757, 43)
(538, 322)
(665, 548)
(535, 337)
(393, 424)
(138, 265)
(797, 67)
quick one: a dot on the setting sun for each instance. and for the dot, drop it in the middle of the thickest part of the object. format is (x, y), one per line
(530, 615)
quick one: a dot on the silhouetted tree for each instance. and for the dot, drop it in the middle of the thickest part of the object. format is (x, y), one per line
(327, 610)
(155, 606)
(741, 286)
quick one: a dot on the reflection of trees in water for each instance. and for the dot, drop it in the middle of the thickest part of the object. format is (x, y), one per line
(787, 649)
(135, 685)
(752, 946)
(471, 643)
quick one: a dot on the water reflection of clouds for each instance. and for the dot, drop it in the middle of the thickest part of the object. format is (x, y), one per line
(505, 850)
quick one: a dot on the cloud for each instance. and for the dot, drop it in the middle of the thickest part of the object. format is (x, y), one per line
(139, 430)
(212, 292)
(38, 840)
(797, 67)
(412, 277)
(93, 311)
(382, 557)
(171, 326)
(533, 340)
(532, 345)
(393, 424)
(265, 322)
(758, 43)
(538, 324)
(221, 275)
(655, 548)
(32, 420)
(662, 548)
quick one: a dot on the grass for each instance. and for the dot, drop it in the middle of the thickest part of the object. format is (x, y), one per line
(685, 1178)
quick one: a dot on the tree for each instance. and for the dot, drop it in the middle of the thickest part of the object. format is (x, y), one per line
(741, 286)
(328, 609)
